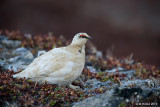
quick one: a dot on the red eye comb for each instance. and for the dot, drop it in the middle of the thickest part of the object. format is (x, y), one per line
(83, 35)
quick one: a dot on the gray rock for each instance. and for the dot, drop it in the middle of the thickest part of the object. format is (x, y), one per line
(116, 97)
(20, 50)
(24, 53)
(144, 84)
(2, 62)
(3, 38)
(10, 67)
(128, 73)
(92, 84)
(17, 66)
(103, 100)
(14, 59)
(11, 43)
(22, 59)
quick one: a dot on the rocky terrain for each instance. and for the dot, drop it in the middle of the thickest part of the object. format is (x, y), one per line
(105, 81)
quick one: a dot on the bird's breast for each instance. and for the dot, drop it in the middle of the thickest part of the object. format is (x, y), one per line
(79, 61)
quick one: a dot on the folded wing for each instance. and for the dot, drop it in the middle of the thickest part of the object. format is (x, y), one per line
(57, 62)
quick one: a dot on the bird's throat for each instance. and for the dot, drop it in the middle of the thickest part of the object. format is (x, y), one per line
(78, 48)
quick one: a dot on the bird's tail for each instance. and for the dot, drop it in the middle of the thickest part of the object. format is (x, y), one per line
(20, 75)
(16, 76)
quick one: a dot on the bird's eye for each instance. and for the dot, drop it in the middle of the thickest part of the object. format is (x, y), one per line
(83, 37)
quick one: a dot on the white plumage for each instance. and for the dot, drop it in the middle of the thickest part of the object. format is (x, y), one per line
(60, 65)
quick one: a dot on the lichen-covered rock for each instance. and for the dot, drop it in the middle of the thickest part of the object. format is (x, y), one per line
(103, 100)
(22, 59)
(15, 59)
(23, 53)
(121, 97)
(11, 43)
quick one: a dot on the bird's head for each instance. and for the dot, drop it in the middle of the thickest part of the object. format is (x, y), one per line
(80, 39)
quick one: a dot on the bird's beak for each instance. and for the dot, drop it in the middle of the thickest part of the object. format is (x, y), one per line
(89, 37)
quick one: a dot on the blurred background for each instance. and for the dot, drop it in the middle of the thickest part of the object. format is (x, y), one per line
(130, 26)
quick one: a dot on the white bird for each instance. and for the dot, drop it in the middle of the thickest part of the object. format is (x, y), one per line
(60, 65)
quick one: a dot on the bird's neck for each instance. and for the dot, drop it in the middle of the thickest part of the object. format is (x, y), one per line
(77, 47)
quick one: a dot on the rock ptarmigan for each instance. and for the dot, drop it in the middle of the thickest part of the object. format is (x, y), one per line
(60, 65)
